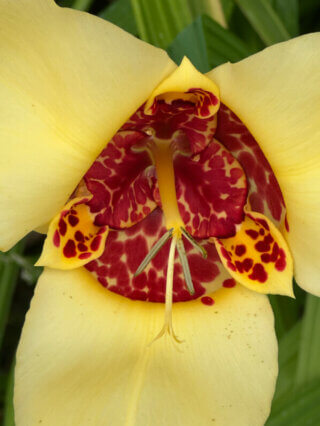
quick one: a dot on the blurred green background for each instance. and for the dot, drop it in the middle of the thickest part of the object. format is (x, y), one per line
(209, 32)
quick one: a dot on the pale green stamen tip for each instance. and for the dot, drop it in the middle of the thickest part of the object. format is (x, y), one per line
(185, 266)
(154, 250)
(196, 245)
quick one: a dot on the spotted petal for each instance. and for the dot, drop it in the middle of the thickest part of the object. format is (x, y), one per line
(276, 93)
(122, 183)
(126, 249)
(84, 358)
(73, 240)
(68, 81)
(258, 256)
(211, 191)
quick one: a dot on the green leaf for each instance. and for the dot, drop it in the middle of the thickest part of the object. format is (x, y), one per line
(8, 403)
(288, 357)
(120, 13)
(243, 29)
(82, 4)
(308, 366)
(308, 7)
(227, 7)
(286, 310)
(264, 20)
(288, 11)
(207, 44)
(9, 271)
(298, 407)
(160, 21)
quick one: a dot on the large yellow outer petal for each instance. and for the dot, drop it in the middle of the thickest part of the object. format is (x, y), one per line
(84, 359)
(68, 81)
(276, 93)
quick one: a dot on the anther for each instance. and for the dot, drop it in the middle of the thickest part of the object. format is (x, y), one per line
(185, 265)
(197, 246)
(154, 250)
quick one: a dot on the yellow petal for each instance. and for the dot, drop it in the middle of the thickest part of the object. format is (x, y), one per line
(73, 240)
(276, 93)
(68, 81)
(258, 256)
(85, 359)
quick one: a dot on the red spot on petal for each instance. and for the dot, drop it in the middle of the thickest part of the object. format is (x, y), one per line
(262, 246)
(281, 262)
(69, 249)
(247, 264)
(84, 255)
(82, 247)
(79, 236)
(265, 258)
(206, 300)
(229, 283)
(239, 266)
(286, 223)
(96, 243)
(259, 273)
(73, 220)
(275, 252)
(231, 266)
(264, 223)
(240, 250)
(252, 233)
(268, 239)
(62, 227)
(56, 239)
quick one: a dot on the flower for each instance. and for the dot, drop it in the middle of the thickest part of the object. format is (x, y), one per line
(71, 83)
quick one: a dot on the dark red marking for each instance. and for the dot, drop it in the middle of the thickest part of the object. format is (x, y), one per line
(206, 300)
(56, 238)
(265, 258)
(275, 252)
(263, 222)
(286, 223)
(240, 250)
(247, 264)
(229, 283)
(96, 243)
(69, 249)
(73, 220)
(79, 236)
(85, 255)
(259, 273)
(62, 227)
(231, 266)
(252, 233)
(281, 262)
(82, 247)
(262, 246)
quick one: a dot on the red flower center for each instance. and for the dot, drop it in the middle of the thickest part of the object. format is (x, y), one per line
(164, 170)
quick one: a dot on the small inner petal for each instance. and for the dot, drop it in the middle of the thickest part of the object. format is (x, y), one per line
(211, 191)
(264, 193)
(258, 256)
(73, 239)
